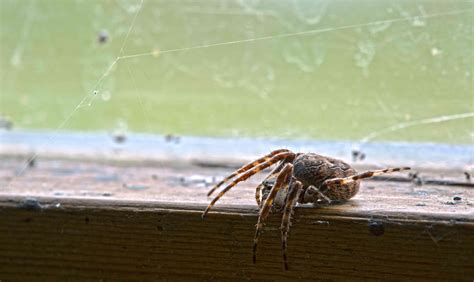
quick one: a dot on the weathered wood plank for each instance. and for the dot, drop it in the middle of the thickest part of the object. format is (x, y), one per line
(147, 242)
(110, 221)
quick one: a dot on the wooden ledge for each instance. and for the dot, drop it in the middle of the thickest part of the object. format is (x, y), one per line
(69, 219)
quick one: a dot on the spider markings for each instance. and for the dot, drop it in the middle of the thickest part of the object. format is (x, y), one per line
(246, 167)
(302, 178)
(252, 169)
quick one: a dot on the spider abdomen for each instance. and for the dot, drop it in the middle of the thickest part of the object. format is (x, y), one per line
(313, 169)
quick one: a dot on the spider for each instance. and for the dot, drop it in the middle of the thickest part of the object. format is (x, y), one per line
(298, 178)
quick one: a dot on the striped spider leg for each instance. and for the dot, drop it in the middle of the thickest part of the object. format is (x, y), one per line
(247, 171)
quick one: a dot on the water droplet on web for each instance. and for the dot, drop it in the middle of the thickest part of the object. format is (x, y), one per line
(435, 52)
(418, 22)
(156, 52)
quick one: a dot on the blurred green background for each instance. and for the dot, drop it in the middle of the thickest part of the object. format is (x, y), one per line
(370, 66)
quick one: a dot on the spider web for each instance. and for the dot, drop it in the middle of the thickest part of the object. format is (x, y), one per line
(248, 68)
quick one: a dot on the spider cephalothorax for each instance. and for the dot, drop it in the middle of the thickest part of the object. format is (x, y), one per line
(302, 178)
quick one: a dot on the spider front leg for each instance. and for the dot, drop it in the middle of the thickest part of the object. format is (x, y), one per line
(248, 174)
(247, 167)
(292, 198)
(276, 171)
(282, 178)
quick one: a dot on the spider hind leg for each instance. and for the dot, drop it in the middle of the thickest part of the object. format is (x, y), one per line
(367, 174)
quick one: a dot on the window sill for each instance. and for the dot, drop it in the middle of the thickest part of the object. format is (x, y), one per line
(66, 218)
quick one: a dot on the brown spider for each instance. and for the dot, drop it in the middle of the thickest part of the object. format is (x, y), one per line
(305, 178)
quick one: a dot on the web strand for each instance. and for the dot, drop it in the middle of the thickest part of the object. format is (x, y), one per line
(300, 33)
(404, 125)
(89, 95)
(131, 27)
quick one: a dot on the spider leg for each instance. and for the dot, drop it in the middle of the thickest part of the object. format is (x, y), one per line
(247, 175)
(367, 174)
(247, 167)
(293, 195)
(265, 210)
(272, 174)
(312, 189)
